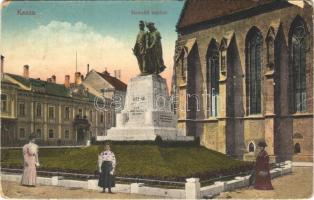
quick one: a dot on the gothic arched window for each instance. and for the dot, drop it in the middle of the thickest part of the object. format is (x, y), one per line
(297, 38)
(254, 43)
(297, 148)
(251, 147)
(270, 42)
(212, 78)
(183, 63)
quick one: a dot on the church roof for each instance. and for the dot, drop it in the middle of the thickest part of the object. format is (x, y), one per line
(198, 11)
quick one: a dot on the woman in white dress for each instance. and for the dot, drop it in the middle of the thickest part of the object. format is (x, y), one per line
(30, 155)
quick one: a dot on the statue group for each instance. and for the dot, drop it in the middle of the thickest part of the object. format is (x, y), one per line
(148, 50)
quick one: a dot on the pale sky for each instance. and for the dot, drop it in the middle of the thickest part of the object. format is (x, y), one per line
(102, 32)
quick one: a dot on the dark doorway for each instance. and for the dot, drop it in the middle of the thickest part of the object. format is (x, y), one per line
(81, 126)
(80, 136)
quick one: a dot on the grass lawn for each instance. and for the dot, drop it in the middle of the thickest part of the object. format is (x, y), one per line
(134, 160)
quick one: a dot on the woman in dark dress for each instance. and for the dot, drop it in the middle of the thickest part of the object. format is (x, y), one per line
(262, 174)
(107, 164)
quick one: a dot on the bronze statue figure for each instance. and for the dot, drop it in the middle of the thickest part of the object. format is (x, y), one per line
(148, 50)
(139, 47)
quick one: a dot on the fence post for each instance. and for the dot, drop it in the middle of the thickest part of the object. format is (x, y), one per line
(54, 180)
(192, 188)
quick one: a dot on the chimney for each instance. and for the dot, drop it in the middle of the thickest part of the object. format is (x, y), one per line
(78, 78)
(53, 78)
(87, 68)
(26, 71)
(106, 72)
(117, 74)
(49, 80)
(2, 65)
(67, 81)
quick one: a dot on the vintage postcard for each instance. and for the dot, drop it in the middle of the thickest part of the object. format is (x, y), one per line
(165, 99)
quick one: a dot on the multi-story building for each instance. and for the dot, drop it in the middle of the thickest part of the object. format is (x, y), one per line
(244, 73)
(58, 114)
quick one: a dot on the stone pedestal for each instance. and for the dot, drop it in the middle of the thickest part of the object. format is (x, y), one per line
(147, 112)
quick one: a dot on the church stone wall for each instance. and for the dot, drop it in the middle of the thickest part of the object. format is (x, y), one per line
(276, 128)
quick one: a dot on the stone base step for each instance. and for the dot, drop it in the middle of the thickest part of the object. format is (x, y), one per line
(144, 134)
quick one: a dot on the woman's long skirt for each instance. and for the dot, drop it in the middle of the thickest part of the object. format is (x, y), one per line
(262, 172)
(29, 172)
(106, 180)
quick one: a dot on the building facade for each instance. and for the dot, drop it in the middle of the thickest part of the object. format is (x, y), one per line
(243, 73)
(103, 84)
(57, 114)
